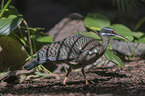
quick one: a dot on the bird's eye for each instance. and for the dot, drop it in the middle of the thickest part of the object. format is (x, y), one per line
(112, 32)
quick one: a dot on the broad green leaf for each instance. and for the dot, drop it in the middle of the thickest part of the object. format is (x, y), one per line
(138, 34)
(89, 34)
(44, 39)
(40, 39)
(124, 31)
(113, 58)
(141, 40)
(9, 24)
(96, 21)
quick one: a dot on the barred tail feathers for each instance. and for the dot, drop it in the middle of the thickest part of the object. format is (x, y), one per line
(31, 65)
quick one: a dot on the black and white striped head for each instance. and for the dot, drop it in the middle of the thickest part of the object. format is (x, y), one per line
(109, 32)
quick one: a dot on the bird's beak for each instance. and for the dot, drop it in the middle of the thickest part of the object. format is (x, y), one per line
(120, 36)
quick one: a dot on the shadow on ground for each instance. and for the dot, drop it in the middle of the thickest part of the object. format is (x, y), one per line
(107, 81)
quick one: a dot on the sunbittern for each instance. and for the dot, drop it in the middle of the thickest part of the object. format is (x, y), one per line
(77, 51)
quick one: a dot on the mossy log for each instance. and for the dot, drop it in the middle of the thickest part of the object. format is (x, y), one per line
(12, 55)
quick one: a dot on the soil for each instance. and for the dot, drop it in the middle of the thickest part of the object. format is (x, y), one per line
(103, 81)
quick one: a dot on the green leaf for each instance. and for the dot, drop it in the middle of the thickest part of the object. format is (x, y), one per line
(124, 31)
(11, 10)
(138, 34)
(44, 39)
(89, 34)
(96, 21)
(40, 39)
(9, 24)
(35, 29)
(113, 58)
(141, 40)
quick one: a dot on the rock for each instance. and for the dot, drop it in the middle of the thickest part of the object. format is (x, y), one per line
(122, 47)
(12, 57)
(67, 27)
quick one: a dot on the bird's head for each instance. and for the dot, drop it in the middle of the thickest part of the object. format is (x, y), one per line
(109, 32)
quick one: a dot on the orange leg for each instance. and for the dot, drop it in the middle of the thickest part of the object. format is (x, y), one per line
(64, 81)
(83, 72)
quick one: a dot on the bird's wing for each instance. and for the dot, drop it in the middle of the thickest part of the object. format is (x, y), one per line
(57, 51)
(79, 46)
(69, 48)
(86, 48)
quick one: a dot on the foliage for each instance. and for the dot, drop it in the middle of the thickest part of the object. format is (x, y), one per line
(9, 24)
(128, 4)
(13, 23)
(121, 29)
(98, 21)
(12, 20)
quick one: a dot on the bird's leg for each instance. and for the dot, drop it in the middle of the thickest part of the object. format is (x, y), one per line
(83, 72)
(64, 81)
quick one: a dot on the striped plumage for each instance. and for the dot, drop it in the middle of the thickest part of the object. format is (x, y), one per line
(76, 51)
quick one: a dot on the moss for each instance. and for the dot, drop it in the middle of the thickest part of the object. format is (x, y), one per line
(11, 54)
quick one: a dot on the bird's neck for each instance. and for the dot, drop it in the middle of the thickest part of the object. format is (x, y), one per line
(104, 43)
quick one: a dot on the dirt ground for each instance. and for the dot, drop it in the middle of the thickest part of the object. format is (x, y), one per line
(104, 81)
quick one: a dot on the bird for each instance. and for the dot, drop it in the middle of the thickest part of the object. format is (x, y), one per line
(77, 51)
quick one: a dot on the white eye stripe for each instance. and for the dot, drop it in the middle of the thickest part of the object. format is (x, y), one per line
(106, 34)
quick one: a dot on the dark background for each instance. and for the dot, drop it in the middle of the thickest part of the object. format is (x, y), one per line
(47, 13)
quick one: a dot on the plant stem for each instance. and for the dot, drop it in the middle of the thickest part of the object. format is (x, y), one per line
(2, 5)
(19, 27)
(3, 10)
(129, 48)
(46, 69)
(31, 49)
(133, 51)
(34, 45)
(138, 25)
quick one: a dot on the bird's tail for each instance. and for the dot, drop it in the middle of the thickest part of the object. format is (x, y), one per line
(31, 65)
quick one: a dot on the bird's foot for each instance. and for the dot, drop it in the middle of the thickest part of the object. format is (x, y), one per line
(64, 81)
(86, 82)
